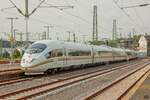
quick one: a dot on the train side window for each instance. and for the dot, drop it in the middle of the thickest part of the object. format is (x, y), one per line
(78, 53)
(105, 53)
(57, 53)
(72, 52)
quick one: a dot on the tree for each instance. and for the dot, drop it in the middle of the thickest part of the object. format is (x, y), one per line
(16, 54)
(136, 37)
(6, 54)
(113, 43)
(97, 42)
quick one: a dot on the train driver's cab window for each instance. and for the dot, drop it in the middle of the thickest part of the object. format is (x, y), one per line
(48, 55)
(36, 48)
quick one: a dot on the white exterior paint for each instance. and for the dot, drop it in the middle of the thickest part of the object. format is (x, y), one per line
(143, 45)
(27, 63)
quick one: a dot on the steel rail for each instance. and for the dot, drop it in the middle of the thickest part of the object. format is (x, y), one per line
(23, 78)
(93, 95)
(132, 86)
(87, 76)
(8, 70)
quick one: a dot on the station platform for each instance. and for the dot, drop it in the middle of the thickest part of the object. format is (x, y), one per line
(143, 92)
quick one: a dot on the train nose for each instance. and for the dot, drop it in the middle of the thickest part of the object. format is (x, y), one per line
(28, 62)
(31, 60)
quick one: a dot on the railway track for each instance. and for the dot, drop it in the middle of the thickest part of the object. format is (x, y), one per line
(107, 92)
(22, 78)
(9, 70)
(44, 88)
(10, 73)
(14, 80)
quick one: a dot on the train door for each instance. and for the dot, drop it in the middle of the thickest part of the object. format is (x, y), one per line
(54, 57)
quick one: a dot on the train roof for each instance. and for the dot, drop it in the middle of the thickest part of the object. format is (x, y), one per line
(72, 45)
(79, 46)
(61, 44)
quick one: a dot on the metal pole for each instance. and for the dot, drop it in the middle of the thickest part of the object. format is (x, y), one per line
(11, 36)
(27, 18)
(15, 34)
(69, 36)
(27, 33)
(21, 37)
(11, 40)
(48, 32)
(48, 29)
(74, 38)
(47, 35)
(26, 9)
(95, 24)
(114, 36)
(1, 46)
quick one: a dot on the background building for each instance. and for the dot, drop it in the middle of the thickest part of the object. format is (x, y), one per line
(144, 45)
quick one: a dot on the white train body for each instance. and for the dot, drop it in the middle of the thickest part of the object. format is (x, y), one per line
(49, 55)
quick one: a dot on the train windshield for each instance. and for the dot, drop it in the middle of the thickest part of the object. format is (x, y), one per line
(36, 48)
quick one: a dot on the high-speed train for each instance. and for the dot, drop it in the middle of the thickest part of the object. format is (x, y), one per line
(49, 55)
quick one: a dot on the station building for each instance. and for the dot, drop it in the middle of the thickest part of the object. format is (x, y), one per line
(144, 45)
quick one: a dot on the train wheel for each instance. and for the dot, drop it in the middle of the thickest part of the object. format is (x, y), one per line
(48, 72)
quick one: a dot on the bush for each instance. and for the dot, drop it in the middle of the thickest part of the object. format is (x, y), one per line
(6, 55)
(16, 54)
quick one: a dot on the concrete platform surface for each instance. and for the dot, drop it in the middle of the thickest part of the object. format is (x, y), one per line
(143, 93)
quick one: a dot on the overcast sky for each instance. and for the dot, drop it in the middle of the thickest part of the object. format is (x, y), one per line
(79, 19)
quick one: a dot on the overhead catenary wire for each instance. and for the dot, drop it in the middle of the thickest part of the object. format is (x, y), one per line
(139, 17)
(58, 8)
(99, 26)
(78, 17)
(19, 10)
(83, 20)
(7, 8)
(34, 19)
(131, 19)
(37, 7)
